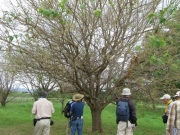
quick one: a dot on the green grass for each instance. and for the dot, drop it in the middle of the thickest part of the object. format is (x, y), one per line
(16, 119)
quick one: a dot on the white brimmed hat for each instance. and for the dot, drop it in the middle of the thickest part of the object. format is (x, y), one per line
(126, 91)
(77, 97)
(177, 94)
(166, 96)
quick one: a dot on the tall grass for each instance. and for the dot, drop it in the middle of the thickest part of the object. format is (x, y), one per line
(16, 119)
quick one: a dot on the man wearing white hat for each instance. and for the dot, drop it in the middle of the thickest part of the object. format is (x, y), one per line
(129, 122)
(168, 101)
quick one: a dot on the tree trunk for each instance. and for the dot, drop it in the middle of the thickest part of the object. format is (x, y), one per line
(96, 119)
(3, 98)
(3, 103)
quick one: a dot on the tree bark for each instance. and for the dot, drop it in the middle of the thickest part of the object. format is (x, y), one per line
(96, 119)
(3, 103)
(3, 99)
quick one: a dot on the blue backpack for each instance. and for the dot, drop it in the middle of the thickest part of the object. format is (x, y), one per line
(122, 111)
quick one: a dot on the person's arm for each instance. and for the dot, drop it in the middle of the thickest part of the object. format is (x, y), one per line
(133, 118)
(52, 108)
(34, 109)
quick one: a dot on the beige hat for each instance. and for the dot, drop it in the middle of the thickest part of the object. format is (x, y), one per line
(77, 97)
(177, 94)
(166, 96)
(126, 91)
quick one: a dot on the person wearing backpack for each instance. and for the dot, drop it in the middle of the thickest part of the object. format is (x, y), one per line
(125, 114)
(77, 114)
(67, 114)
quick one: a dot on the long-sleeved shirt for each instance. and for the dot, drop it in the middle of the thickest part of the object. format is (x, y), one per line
(42, 108)
(132, 109)
(174, 117)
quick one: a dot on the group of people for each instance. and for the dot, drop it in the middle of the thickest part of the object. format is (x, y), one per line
(172, 114)
(43, 110)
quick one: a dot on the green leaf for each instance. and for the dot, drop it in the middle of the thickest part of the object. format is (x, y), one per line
(10, 38)
(83, 6)
(98, 12)
(151, 18)
(153, 59)
(54, 13)
(151, 15)
(62, 4)
(47, 13)
(20, 51)
(6, 31)
(162, 20)
(10, 19)
(138, 48)
(174, 66)
(111, 3)
(156, 42)
(41, 10)
(0, 47)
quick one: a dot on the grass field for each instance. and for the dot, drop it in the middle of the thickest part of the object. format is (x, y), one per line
(16, 119)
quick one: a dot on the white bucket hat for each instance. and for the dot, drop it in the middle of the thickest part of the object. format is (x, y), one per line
(166, 96)
(126, 91)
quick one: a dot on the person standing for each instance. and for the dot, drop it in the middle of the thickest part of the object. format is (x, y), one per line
(77, 114)
(67, 114)
(42, 109)
(168, 101)
(173, 123)
(125, 127)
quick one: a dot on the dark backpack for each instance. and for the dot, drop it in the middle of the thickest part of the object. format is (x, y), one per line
(67, 109)
(122, 110)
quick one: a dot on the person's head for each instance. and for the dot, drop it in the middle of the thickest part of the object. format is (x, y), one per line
(166, 98)
(177, 95)
(43, 94)
(78, 97)
(126, 92)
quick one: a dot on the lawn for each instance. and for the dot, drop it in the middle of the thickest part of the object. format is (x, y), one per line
(16, 119)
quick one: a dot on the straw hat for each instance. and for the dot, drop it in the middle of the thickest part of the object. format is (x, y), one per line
(77, 97)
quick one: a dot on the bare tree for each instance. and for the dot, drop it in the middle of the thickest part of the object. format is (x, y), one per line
(6, 85)
(38, 82)
(88, 44)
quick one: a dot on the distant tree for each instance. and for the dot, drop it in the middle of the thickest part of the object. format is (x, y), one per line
(87, 44)
(7, 83)
(7, 77)
(38, 82)
(158, 63)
